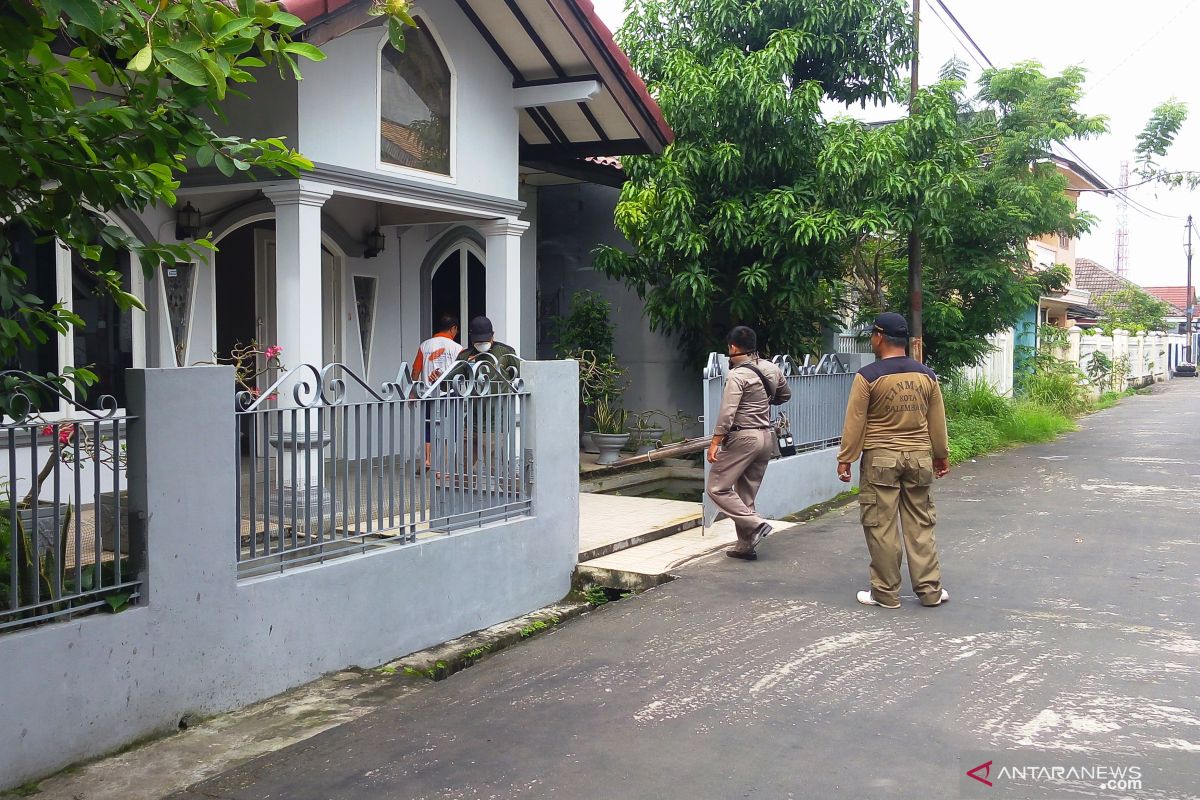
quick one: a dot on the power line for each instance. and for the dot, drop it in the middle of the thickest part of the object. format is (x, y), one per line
(1144, 210)
(952, 32)
(1139, 48)
(959, 25)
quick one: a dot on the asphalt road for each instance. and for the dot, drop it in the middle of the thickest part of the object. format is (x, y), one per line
(1072, 641)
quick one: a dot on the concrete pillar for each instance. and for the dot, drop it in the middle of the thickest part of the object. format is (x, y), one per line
(298, 306)
(504, 278)
(1076, 336)
(182, 484)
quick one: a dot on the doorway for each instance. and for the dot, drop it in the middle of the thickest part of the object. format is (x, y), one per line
(459, 286)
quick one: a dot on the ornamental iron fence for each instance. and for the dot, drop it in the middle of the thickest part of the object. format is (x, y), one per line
(332, 466)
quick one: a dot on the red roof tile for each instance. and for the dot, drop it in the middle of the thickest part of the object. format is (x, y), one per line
(1175, 295)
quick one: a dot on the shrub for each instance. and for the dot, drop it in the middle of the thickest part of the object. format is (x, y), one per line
(1030, 423)
(975, 399)
(971, 436)
(1059, 390)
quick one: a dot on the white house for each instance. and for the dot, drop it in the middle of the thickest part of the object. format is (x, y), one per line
(423, 198)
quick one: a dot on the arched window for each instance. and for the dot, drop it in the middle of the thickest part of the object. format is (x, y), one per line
(415, 98)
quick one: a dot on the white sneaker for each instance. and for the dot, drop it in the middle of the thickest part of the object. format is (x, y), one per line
(866, 599)
(945, 598)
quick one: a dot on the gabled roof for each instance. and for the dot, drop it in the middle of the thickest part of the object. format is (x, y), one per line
(1177, 296)
(1101, 281)
(542, 43)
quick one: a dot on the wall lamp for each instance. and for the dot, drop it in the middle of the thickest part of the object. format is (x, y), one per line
(187, 222)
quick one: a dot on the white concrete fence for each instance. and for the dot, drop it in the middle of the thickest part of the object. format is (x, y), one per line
(996, 369)
(200, 641)
(1143, 358)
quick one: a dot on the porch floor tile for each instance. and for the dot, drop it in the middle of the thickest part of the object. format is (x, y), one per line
(607, 520)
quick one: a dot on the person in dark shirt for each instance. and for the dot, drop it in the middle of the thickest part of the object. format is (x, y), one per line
(896, 422)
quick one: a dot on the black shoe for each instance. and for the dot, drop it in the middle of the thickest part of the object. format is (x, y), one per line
(751, 556)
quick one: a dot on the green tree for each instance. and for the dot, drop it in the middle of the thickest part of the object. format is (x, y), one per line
(104, 104)
(734, 223)
(978, 275)
(1133, 310)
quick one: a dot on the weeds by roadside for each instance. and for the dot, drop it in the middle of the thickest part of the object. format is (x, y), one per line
(981, 421)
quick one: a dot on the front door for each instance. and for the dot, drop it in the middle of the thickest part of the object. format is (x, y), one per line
(458, 286)
(331, 299)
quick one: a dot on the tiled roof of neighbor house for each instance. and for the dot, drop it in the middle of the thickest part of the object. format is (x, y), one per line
(1101, 281)
(541, 43)
(1175, 295)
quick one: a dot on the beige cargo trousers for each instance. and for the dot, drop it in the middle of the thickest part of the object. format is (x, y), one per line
(891, 482)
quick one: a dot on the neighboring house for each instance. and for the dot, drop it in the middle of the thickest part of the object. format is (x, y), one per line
(1069, 307)
(1179, 298)
(430, 166)
(1100, 281)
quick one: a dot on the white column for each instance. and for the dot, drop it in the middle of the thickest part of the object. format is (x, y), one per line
(299, 331)
(298, 305)
(504, 278)
(1076, 334)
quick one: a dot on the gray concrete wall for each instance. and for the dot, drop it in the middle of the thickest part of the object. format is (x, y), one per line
(574, 220)
(203, 643)
(796, 483)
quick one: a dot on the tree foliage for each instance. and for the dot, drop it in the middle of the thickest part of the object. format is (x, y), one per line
(1133, 310)
(766, 212)
(104, 104)
(978, 277)
(733, 223)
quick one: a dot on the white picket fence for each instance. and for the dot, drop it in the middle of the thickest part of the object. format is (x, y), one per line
(997, 366)
(1151, 357)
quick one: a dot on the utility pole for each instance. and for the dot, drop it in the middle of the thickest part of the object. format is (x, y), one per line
(1188, 291)
(915, 326)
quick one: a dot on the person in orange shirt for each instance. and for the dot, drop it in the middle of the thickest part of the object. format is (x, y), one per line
(434, 357)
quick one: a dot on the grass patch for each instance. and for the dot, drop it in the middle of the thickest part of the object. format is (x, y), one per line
(980, 421)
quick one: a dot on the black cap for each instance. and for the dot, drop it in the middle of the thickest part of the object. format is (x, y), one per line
(889, 323)
(480, 330)
(744, 338)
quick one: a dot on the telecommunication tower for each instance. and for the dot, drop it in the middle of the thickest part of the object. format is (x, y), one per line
(1122, 259)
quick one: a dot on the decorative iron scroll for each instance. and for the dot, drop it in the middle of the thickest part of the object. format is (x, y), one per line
(311, 387)
(19, 404)
(829, 364)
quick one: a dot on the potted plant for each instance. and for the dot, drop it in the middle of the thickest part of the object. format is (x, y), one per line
(648, 429)
(610, 434)
(599, 377)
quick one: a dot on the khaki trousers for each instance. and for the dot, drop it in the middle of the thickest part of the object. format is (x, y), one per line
(898, 481)
(734, 480)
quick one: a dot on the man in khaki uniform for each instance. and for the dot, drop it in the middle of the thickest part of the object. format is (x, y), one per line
(743, 441)
(895, 419)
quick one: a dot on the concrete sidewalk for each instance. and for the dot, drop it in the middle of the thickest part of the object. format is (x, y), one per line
(1072, 639)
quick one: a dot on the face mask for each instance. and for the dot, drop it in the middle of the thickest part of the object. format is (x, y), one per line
(483, 347)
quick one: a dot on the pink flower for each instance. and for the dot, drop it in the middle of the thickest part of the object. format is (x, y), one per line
(255, 391)
(273, 351)
(65, 432)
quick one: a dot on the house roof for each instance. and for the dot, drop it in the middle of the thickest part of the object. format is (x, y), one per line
(1177, 296)
(1101, 281)
(541, 43)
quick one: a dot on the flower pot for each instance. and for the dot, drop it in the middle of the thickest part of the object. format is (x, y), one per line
(610, 445)
(644, 440)
(587, 443)
(48, 527)
(108, 522)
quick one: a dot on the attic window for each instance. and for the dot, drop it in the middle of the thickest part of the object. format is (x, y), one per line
(415, 101)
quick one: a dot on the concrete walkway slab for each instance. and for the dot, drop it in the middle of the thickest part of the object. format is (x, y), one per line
(610, 523)
(662, 556)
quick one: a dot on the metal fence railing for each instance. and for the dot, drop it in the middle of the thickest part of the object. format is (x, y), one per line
(64, 511)
(817, 407)
(332, 466)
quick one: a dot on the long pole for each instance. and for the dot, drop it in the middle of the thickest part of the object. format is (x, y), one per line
(1188, 292)
(915, 325)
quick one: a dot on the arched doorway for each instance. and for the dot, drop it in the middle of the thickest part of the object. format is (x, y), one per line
(458, 285)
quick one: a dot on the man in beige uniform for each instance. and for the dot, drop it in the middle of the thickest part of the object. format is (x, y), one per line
(895, 419)
(742, 441)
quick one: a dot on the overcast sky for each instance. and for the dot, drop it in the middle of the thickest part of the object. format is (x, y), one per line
(1135, 57)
